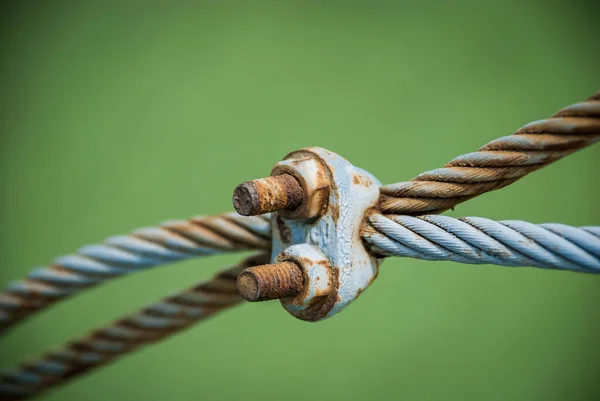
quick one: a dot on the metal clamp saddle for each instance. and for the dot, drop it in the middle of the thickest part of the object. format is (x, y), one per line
(318, 202)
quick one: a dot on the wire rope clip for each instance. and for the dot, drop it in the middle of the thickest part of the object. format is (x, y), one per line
(318, 202)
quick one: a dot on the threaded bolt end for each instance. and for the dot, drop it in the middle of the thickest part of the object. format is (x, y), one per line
(268, 194)
(272, 281)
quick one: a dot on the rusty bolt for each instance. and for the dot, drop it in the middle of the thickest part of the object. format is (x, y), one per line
(266, 195)
(273, 281)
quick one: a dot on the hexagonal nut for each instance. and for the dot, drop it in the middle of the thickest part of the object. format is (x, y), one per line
(314, 179)
(320, 284)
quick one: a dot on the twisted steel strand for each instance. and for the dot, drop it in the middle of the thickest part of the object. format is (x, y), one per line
(497, 164)
(475, 240)
(468, 240)
(146, 247)
(147, 326)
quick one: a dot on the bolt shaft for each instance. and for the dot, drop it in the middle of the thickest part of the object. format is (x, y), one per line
(268, 194)
(273, 281)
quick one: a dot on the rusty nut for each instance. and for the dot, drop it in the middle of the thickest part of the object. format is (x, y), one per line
(314, 179)
(312, 302)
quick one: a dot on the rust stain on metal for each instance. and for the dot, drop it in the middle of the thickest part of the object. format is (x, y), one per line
(361, 180)
(318, 310)
(284, 231)
(312, 176)
(298, 299)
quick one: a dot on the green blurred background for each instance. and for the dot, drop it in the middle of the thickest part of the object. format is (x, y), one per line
(117, 115)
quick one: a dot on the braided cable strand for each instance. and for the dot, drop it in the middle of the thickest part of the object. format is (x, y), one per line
(497, 164)
(144, 248)
(468, 240)
(433, 237)
(147, 326)
(475, 240)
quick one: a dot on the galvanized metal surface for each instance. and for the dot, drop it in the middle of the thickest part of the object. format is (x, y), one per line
(497, 164)
(105, 345)
(117, 256)
(475, 240)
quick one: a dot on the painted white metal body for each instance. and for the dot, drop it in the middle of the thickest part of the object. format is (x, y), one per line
(346, 194)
